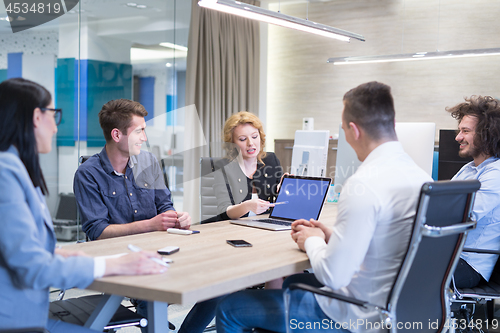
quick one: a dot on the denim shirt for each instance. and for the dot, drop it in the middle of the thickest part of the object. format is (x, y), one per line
(106, 197)
(486, 211)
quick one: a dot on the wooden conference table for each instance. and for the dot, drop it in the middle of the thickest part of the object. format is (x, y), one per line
(205, 267)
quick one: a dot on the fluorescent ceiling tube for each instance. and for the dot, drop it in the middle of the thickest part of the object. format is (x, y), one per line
(414, 56)
(265, 15)
(174, 46)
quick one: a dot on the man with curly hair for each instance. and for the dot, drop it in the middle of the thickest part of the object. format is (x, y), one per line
(479, 137)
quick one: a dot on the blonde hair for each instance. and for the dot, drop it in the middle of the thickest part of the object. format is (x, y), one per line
(242, 118)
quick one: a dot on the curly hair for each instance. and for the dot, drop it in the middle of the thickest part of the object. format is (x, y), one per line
(241, 118)
(487, 111)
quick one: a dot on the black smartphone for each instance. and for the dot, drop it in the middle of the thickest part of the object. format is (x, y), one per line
(238, 243)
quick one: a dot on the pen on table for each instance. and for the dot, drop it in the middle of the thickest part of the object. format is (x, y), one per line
(134, 248)
(281, 203)
(182, 231)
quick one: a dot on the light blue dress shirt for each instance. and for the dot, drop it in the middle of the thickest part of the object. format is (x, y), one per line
(486, 211)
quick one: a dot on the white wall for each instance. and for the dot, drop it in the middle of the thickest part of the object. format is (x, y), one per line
(301, 83)
(28, 42)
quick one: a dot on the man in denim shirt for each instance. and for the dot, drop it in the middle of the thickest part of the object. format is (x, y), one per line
(121, 191)
(479, 138)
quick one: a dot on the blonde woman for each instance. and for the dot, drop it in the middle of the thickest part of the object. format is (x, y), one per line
(246, 182)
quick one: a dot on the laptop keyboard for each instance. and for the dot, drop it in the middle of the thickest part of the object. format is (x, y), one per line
(274, 221)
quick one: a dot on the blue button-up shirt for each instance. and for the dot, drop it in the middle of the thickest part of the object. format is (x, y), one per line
(106, 197)
(486, 211)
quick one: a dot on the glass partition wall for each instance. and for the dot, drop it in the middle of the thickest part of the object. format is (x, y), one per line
(95, 52)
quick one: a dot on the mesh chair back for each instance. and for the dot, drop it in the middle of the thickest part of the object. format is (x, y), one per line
(419, 298)
(208, 201)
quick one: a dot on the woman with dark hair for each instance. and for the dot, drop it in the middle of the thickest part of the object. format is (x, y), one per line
(29, 261)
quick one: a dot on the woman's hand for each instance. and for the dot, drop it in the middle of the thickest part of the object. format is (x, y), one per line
(258, 206)
(69, 253)
(139, 263)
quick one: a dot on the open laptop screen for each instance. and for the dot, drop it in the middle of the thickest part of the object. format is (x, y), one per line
(304, 197)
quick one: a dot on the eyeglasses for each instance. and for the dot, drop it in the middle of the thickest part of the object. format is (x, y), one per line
(57, 114)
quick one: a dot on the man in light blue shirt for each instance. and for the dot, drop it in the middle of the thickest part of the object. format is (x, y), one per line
(479, 137)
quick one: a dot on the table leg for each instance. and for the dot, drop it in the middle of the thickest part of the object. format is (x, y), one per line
(103, 312)
(157, 317)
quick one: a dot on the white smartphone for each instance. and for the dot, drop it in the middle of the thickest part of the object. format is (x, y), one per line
(168, 250)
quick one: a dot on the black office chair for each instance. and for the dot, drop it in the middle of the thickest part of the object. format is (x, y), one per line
(208, 201)
(421, 292)
(78, 310)
(484, 293)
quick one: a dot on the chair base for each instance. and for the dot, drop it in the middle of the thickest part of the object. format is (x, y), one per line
(78, 310)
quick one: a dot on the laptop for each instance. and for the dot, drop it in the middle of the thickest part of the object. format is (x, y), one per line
(299, 197)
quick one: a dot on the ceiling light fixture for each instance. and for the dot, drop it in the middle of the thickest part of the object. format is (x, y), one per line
(414, 56)
(174, 46)
(265, 15)
(141, 6)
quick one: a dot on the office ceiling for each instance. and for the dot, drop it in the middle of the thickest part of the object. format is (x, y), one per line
(115, 19)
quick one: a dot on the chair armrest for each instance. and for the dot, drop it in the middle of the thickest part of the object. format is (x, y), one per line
(431, 231)
(468, 249)
(329, 294)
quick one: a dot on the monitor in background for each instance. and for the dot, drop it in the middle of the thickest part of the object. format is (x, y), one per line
(310, 153)
(417, 140)
(346, 163)
(449, 160)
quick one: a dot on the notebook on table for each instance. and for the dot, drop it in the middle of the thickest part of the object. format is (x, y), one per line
(299, 197)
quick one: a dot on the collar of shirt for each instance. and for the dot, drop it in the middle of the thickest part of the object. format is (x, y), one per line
(106, 164)
(383, 150)
(12, 149)
(481, 166)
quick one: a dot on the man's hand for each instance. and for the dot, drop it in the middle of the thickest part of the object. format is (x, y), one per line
(313, 223)
(302, 230)
(134, 264)
(184, 220)
(327, 231)
(165, 220)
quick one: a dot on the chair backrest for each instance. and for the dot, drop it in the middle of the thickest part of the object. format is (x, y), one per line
(419, 299)
(208, 201)
(84, 158)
